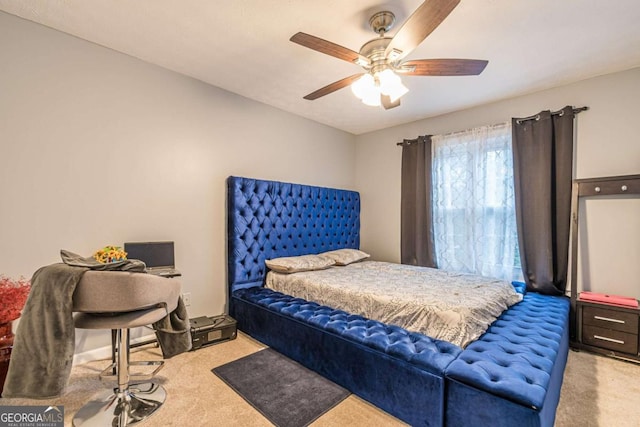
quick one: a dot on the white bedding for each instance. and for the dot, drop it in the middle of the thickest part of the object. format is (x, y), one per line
(453, 307)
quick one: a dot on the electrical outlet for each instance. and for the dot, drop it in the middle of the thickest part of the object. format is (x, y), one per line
(186, 298)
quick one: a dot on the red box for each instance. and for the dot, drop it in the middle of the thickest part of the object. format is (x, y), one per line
(609, 299)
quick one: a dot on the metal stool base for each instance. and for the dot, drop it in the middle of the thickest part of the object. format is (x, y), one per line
(116, 408)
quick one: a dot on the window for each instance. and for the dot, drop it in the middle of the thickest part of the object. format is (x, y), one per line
(474, 221)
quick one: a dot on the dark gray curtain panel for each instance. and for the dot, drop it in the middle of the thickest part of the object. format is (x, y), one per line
(416, 236)
(543, 159)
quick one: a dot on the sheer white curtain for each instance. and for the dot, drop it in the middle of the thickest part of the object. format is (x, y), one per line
(473, 203)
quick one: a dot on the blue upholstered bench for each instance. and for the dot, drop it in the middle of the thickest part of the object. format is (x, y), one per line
(513, 372)
(519, 361)
(429, 354)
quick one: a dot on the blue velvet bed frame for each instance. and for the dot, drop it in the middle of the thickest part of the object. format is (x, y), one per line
(511, 376)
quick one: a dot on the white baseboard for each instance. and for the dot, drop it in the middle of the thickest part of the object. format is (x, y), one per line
(104, 352)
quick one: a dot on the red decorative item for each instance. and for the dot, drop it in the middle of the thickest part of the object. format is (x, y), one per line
(6, 345)
(609, 299)
(13, 295)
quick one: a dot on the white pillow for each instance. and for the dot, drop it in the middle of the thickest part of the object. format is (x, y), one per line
(295, 264)
(346, 256)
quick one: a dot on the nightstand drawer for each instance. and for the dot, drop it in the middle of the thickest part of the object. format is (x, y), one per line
(610, 319)
(612, 340)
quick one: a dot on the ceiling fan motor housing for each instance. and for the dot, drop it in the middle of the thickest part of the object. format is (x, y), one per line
(382, 22)
(375, 51)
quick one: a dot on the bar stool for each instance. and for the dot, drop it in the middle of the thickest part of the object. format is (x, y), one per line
(119, 301)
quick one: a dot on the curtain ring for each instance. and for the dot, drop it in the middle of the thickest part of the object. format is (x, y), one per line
(561, 113)
(538, 117)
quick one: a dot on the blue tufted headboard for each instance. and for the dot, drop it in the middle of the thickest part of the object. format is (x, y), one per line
(270, 219)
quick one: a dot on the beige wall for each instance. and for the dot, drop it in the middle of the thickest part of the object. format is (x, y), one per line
(607, 144)
(100, 148)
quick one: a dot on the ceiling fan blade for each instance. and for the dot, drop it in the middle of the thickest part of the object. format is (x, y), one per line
(329, 48)
(443, 67)
(385, 100)
(420, 24)
(333, 87)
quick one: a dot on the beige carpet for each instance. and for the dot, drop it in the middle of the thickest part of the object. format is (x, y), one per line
(597, 391)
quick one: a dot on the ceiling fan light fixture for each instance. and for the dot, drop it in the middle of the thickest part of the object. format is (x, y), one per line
(391, 84)
(372, 99)
(365, 87)
(368, 88)
(397, 92)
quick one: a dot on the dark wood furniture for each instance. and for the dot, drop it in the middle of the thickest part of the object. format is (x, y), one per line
(602, 328)
(608, 329)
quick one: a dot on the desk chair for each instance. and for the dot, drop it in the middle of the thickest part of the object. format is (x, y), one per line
(119, 301)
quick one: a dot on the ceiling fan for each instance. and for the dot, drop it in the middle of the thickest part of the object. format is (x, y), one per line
(381, 58)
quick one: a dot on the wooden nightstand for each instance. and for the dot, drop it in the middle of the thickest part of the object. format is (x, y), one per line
(608, 329)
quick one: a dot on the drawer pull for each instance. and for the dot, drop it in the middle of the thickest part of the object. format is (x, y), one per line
(598, 337)
(608, 319)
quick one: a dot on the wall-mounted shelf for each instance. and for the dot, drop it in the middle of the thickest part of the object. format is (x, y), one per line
(588, 330)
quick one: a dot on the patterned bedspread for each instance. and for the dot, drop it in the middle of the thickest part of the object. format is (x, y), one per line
(454, 307)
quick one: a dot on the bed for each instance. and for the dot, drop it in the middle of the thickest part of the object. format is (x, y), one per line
(449, 306)
(510, 375)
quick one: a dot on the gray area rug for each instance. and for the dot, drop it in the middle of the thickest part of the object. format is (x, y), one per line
(285, 392)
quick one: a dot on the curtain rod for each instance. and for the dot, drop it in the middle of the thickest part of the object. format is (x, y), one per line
(534, 117)
(553, 113)
(411, 141)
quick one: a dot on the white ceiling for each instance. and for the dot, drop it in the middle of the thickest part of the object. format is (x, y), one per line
(243, 46)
